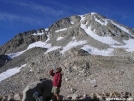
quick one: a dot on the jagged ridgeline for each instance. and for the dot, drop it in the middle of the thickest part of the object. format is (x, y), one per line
(22, 40)
(94, 52)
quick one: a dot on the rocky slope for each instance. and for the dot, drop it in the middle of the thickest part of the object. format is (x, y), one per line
(95, 53)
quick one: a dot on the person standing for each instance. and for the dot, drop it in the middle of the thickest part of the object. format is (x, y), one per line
(57, 79)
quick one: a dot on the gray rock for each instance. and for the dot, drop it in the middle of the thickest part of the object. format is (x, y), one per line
(17, 97)
(75, 96)
(42, 87)
(63, 23)
(10, 97)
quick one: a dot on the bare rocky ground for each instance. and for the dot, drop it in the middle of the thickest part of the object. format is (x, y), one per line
(82, 73)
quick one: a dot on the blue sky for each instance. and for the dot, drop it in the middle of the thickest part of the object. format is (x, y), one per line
(18, 16)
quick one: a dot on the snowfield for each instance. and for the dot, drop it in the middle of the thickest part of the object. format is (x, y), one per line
(10, 72)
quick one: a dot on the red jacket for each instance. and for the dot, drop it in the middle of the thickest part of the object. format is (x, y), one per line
(57, 78)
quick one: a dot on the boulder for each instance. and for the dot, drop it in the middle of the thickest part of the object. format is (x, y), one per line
(42, 87)
(4, 98)
(74, 96)
(11, 97)
(17, 97)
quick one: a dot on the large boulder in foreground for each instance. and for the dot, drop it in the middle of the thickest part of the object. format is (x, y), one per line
(43, 87)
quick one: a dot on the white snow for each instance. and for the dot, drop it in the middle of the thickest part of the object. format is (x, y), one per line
(82, 18)
(38, 33)
(95, 51)
(10, 72)
(128, 46)
(105, 40)
(102, 23)
(52, 48)
(13, 55)
(36, 44)
(72, 22)
(93, 13)
(39, 44)
(72, 44)
(60, 38)
(46, 29)
(74, 38)
(122, 28)
(61, 30)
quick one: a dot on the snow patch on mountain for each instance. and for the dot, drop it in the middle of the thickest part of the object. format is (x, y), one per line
(38, 33)
(36, 44)
(82, 18)
(61, 30)
(73, 38)
(128, 45)
(52, 49)
(106, 40)
(72, 22)
(73, 44)
(95, 51)
(93, 13)
(39, 44)
(46, 29)
(59, 38)
(10, 72)
(102, 23)
(122, 28)
(13, 55)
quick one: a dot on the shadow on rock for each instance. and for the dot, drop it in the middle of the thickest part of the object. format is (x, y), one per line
(43, 87)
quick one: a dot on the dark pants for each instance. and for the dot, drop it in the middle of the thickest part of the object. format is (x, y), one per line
(38, 97)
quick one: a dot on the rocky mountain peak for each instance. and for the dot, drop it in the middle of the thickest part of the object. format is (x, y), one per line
(106, 27)
(63, 23)
(22, 40)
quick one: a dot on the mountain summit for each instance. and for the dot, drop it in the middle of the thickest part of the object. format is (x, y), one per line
(90, 48)
(93, 31)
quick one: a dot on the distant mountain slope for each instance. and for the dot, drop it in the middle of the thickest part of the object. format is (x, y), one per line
(98, 32)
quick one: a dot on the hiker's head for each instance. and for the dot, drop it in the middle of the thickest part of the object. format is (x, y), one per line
(58, 69)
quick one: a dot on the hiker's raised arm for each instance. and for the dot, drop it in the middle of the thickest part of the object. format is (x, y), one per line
(51, 72)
